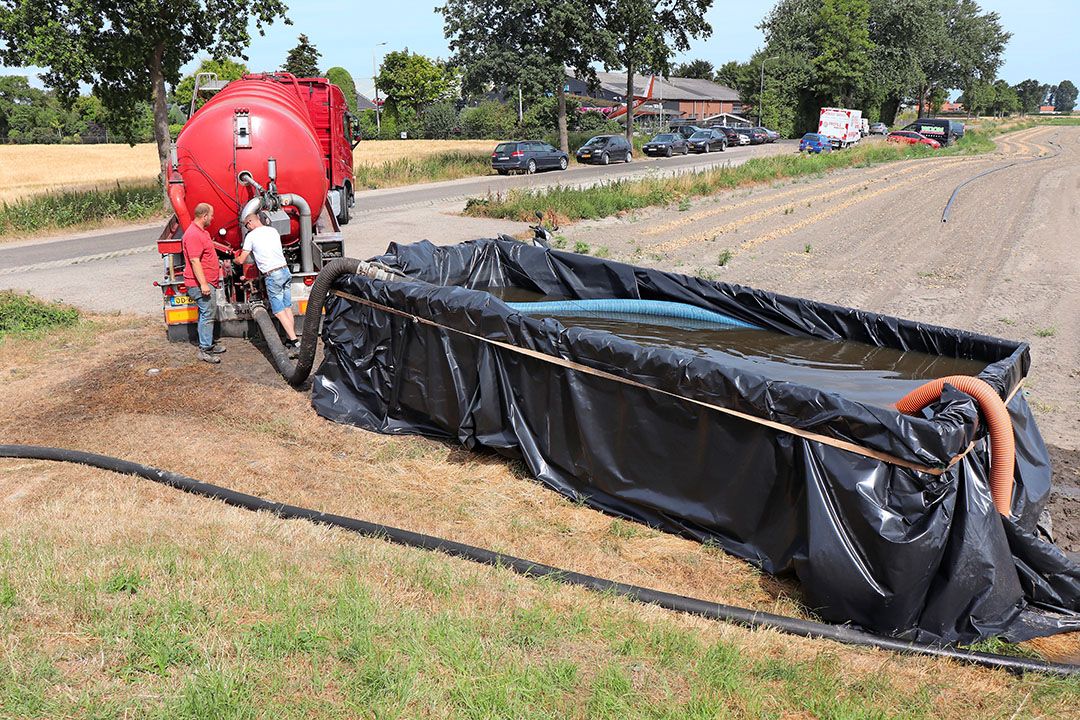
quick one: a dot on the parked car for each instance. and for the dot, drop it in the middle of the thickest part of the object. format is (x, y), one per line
(604, 149)
(957, 128)
(756, 136)
(772, 135)
(743, 138)
(686, 130)
(938, 129)
(707, 140)
(879, 128)
(734, 139)
(910, 137)
(815, 143)
(666, 144)
(527, 156)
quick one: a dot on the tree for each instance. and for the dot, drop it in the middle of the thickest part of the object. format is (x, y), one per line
(843, 39)
(410, 81)
(978, 95)
(904, 34)
(526, 44)
(127, 50)
(968, 45)
(1065, 97)
(696, 69)
(226, 69)
(303, 60)
(344, 80)
(737, 76)
(646, 35)
(1031, 94)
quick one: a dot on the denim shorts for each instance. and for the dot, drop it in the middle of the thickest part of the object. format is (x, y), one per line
(279, 290)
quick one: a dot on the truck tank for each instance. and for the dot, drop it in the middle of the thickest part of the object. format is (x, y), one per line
(240, 129)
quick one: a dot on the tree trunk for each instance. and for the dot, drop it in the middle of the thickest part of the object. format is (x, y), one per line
(161, 120)
(922, 99)
(629, 103)
(564, 138)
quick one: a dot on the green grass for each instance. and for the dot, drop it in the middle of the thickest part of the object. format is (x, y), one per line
(215, 630)
(614, 198)
(26, 316)
(410, 170)
(69, 208)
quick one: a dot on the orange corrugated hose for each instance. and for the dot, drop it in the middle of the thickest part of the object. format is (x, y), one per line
(1002, 444)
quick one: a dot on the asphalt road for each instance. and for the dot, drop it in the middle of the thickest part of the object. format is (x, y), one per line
(114, 270)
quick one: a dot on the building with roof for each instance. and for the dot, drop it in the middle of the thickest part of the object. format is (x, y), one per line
(687, 99)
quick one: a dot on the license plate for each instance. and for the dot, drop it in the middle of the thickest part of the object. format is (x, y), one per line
(503, 158)
(181, 300)
(586, 154)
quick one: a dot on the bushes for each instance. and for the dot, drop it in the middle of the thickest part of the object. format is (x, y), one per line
(74, 207)
(489, 119)
(439, 121)
(25, 315)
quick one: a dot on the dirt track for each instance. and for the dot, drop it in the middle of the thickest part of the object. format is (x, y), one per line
(1005, 264)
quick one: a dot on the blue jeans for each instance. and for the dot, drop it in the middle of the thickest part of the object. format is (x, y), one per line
(279, 290)
(207, 305)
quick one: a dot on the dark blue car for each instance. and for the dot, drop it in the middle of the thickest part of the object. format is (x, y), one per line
(815, 143)
(527, 157)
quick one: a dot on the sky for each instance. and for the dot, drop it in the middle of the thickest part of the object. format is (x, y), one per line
(348, 34)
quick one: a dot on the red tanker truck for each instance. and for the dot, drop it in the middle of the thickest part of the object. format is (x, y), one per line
(270, 143)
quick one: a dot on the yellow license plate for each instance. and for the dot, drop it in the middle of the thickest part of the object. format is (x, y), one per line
(182, 300)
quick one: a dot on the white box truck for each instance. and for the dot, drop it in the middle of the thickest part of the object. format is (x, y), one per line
(843, 127)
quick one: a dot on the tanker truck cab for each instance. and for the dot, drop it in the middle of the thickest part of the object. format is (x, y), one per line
(273, 144)
(330, 114)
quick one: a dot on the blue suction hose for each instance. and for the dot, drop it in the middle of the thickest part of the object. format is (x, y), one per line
(630, 306)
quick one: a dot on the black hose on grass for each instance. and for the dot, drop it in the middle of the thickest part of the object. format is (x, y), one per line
(715, 611)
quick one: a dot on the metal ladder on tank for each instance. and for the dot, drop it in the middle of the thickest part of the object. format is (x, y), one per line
(205, 82)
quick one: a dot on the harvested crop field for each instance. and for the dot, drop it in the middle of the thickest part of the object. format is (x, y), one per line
(119, 595)
(30, 169)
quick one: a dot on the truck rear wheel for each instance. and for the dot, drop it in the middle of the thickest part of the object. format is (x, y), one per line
(343, 215)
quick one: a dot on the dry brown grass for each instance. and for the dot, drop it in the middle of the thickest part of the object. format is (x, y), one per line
(381, 151)
(31, 169)
(239, 426)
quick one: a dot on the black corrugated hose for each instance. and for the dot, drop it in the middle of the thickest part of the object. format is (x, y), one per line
(715, 611)
(297, 372)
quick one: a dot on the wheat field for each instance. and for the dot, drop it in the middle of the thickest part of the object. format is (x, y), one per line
(30, 169)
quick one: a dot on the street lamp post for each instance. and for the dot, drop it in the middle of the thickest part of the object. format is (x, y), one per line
(761, 92)
(375, 82)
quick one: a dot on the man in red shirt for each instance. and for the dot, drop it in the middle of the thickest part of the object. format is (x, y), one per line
(202, 275)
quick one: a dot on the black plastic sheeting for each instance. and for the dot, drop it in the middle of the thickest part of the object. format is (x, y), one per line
(892, 550)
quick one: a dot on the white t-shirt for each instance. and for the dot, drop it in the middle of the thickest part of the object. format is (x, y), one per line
(264, 244)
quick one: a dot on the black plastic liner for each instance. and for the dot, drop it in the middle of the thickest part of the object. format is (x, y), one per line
(896, 551)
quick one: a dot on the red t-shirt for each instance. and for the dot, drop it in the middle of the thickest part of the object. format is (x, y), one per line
(198, 247)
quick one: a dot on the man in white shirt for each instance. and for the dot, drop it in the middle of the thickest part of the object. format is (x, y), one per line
(264, 243)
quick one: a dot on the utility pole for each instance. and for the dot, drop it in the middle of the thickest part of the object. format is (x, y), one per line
(375, 82)
(761, 92)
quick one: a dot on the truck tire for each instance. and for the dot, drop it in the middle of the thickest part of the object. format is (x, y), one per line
(343, 216)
